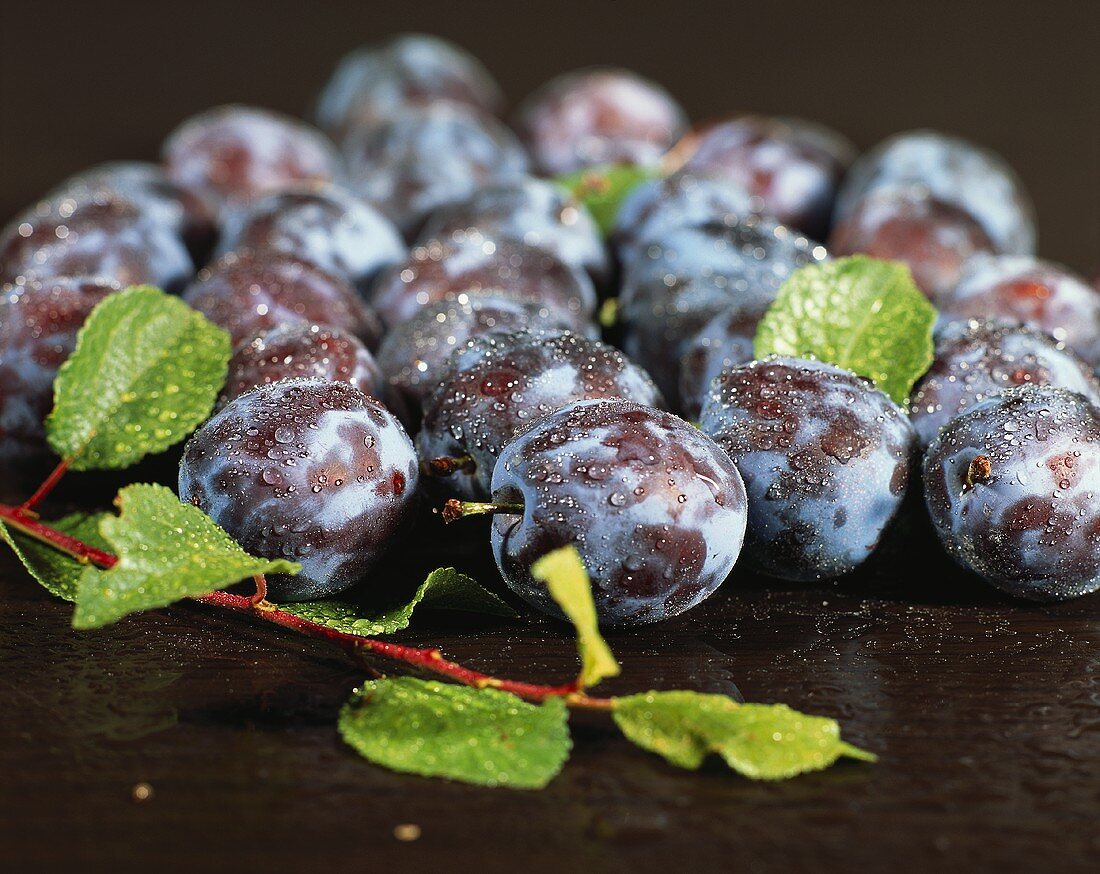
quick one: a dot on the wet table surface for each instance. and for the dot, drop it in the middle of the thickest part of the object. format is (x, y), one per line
(985, 713)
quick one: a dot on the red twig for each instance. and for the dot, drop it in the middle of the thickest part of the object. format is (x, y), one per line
(47, 486)
(428, 659)
(27, 522)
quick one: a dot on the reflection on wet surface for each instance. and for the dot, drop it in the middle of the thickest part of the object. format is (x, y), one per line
(985, 712)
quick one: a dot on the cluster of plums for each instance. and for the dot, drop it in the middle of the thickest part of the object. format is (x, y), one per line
(408, 267)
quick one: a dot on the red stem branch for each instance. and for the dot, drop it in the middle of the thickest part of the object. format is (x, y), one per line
(47, 486)
(428, 659)
(27, 522)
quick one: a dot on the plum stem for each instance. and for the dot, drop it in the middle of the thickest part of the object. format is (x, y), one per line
(428, 659)
(48, 485)
(455, 509)
(979, 470)
(447, 465)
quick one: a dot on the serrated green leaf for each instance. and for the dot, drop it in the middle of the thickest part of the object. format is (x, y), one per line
(58, 572)
(761, 741)
(443, 589)
(481, 736)
(166, 551)
(603, 189)
(146, 371)
(566, 578)
(859, 313)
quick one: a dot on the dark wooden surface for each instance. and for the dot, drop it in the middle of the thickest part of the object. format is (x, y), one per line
(985, 712)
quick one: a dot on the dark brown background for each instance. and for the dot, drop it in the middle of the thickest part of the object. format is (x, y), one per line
(985, 712)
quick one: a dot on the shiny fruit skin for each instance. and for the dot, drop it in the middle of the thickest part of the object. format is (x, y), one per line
(102, 237)
(436, 269)
(825, 458)
(679, 284)
(148, 188)
(532, 211)
(249, 292)
(588, 118)
(1044, 296)
(934, 239)
(1013, 489)
(655, 208)
(497, 385)
(791, 167)
(323, 224)
(39, 322)
(413, 355)
(656, 510)
(307, 470)
(425, 158)
(724, 342)
(301, 351)
(953, 170)
(978, 359)
(411, 69)
(233, 154)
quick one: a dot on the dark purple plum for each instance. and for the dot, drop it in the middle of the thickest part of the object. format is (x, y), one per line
(657, 207)
(422, 159)
(933, 238)
(249, 292)
(307, 470)
(499, 384)
(598, 116)
(383, 79)
(825, 458)
(1013, 489)
(104, 237)
(678, 285)
(436, 269)
(978, 359)
(147, 187)
(1041, 295)
(232, 154)
(655, 508)
(954, 171)
(39, 322)
(320, 223)
(791, 167)
(413, 355)
(302, 351)
(531, 211)
(724, 342)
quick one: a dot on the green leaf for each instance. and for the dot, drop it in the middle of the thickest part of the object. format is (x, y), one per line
(434, 729)
(58, 572)
(167, 551)
(858, 313)
(603, 189)
(146, 370)
(761, 741)
(565, 576)
(443, 589)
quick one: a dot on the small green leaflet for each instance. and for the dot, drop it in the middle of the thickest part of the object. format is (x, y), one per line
(603, 189)
(761, 741)
(146, 370)
(443, 589)
(167, 551)
(57, 572)
(565, 576)
(481, 736)
(858, 313)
